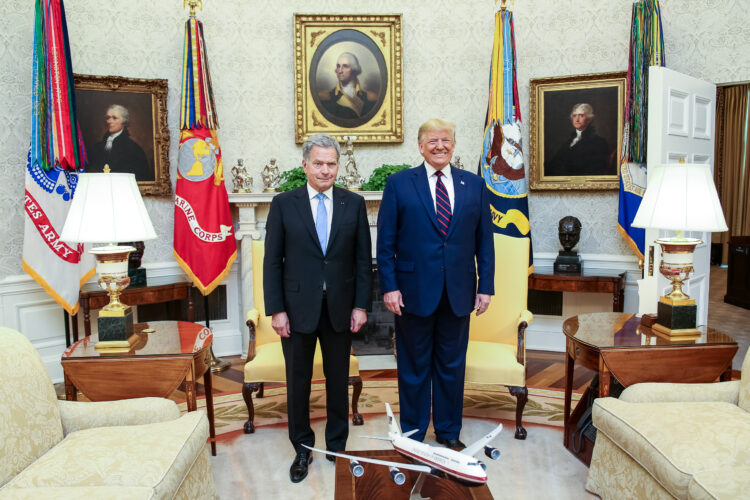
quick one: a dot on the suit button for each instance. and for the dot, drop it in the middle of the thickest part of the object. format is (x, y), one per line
(325, 262)
(442, 269)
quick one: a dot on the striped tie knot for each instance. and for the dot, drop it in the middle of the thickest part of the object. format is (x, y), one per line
(442, 204)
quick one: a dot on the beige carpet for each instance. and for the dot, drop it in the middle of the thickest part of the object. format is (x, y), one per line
(256, 466)
(544, 406)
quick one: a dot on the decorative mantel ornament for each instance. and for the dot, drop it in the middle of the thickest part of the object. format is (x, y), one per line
(351, 178)
(271, 177)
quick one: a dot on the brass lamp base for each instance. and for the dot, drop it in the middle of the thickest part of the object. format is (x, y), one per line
(218, 365)
(676, 335)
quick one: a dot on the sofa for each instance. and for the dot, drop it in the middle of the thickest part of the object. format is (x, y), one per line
(686, 441)
(134, 449)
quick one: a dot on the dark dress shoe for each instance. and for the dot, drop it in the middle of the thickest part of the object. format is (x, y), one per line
(331, 458)
(452, 443)
(298, 470)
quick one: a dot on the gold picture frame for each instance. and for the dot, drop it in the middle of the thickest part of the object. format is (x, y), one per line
(374, 110)
(145, 137)
(560, 157)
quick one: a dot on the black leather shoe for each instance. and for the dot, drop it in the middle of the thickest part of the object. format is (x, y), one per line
(331, 458)
(298, 470)
(452, 443)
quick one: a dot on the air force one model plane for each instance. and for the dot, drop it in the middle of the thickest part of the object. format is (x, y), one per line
(439, 461)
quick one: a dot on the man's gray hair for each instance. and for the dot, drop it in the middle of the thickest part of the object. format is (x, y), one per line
(353, 62)
(586, 108)
(123, 111)
(322, 141)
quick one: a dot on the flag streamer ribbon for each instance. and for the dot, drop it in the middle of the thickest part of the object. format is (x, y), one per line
(197, 103)
(501, 163)
(56, 140)
(646, 49)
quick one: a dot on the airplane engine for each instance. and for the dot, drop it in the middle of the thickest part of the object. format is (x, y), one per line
(491, 452)
(397, 476)
(356, 468)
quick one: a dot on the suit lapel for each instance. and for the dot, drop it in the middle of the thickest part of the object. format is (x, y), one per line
(338, 205)
(305, 212)
(459, 197)
(422, 187)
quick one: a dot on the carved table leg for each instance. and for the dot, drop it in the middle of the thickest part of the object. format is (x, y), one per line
(248, 389)
(356, 383)
(522, 395)
(260, 389)
(71, 393)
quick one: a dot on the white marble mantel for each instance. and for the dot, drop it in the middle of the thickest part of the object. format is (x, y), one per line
(252, 212)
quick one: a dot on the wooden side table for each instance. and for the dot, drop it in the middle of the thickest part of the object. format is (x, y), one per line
(175, 352)
(92, 298)
(613, 284)
(617, 345)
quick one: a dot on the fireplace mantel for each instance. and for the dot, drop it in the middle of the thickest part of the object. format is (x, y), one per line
(252, 212)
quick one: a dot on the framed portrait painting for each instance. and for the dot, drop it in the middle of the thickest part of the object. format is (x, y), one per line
(576, 131)
(348, 77)
(124, 125)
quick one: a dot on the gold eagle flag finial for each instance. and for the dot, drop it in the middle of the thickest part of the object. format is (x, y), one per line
(192, 4)
(503, 5)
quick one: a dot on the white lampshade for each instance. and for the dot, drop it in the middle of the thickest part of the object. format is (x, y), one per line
(681, 197)
(107, 208)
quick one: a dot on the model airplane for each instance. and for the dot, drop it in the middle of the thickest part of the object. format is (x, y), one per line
(438, 461)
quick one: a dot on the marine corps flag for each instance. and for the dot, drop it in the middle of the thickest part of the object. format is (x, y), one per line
(56, 155)
(646, 49)
(204, 243)
(501, 162)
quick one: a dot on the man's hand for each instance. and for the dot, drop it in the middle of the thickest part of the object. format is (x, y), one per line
(393, 301)
(359, 318)
(481, 303)
(280, 323)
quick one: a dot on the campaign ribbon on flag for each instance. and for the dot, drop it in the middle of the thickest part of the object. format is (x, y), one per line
(646, 49)
(204, 242)
(56, 156)
(501, 163)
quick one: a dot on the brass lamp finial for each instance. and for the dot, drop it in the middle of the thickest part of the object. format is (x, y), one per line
(106, 168)
(192, 4)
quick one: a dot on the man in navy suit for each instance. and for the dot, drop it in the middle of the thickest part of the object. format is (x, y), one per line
(434, 234)
(316, 284)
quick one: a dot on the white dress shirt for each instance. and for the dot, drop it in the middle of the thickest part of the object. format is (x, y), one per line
(576, 138)
(327, 201)
(447, 182)
(111, 139)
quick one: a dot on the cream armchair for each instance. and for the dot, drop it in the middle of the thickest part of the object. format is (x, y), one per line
(265, 361)
(134, 449)
(662, 440)
(497, 338)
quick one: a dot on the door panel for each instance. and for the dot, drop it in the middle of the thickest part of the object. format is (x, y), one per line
(681, 126)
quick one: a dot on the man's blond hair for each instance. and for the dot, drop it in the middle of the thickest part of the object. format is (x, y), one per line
(436, 124)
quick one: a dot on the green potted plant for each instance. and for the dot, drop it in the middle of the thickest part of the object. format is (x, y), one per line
(376, 182)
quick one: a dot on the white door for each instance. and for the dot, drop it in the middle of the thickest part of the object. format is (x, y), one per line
(681, 116)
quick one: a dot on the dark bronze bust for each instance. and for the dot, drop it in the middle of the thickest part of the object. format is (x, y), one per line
(569, 232)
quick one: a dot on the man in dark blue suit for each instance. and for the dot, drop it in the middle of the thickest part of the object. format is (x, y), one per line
(434, 234)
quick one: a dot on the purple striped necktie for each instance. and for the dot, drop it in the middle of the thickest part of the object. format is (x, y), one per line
(442, 204)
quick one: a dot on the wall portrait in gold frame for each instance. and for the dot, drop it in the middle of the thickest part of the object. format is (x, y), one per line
(576, 126)
(348, 77)
(133, 111)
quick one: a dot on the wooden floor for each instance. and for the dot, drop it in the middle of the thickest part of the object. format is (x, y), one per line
(544, 370)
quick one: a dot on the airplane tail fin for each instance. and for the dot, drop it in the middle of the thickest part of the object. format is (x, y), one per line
(393, 427)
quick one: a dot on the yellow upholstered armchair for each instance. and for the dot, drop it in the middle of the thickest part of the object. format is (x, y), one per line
(497, 338)
(265, 361)
(132, 449)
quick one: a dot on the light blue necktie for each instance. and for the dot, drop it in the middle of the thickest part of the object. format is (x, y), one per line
(321, 222)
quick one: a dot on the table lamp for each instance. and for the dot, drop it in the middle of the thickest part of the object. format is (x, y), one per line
(108, 208)
(679, 197)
